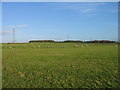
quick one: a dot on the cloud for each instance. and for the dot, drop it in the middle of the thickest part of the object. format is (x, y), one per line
(3, 32)
(17, 26)
(88, 10)
(80, 7)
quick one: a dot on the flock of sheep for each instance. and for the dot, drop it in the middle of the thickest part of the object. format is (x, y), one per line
(48, 46)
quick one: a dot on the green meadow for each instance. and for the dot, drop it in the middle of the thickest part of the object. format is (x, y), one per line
(60, 65)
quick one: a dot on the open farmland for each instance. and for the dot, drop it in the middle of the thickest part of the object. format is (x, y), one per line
(60, 65)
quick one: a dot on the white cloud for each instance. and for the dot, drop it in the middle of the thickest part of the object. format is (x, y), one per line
(88, 10)
(17, 26)
(3, 32)
(82, 7)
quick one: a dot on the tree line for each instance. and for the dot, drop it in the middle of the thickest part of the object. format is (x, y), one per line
(72, 41)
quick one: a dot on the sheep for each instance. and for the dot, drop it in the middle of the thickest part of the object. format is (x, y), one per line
(33, 46)
(63, 47)
(82, 45)
(76, 46)
(86, 45)
(52, 46)
(48, 46)
(9, 47)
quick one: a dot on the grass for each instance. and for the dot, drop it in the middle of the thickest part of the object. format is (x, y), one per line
(93, 66)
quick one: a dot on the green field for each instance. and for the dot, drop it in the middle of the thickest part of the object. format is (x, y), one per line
(60, 65)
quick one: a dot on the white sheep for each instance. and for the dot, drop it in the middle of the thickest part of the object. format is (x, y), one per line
(76, 46)
(86, 45)
(82, 45)
(48, 46)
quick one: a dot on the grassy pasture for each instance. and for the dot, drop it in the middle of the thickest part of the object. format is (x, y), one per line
(60, 65)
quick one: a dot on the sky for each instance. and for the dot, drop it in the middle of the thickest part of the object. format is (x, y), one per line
(60, 0)
(60, 21)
